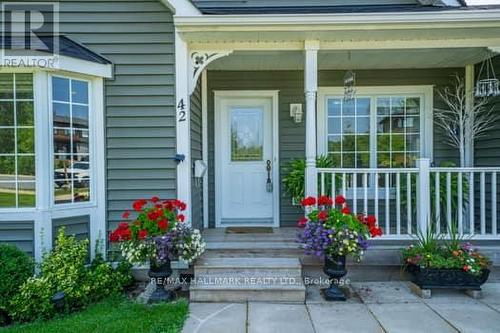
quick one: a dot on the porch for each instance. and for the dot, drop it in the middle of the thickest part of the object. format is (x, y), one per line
(392, 170)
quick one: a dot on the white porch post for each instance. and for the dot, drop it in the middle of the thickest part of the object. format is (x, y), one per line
(311, 88)
(183, 135)
(423, 195)
(469, 102)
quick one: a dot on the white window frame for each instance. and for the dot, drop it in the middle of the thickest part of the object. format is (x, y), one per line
(92, 144)
(45, 210)
(425, 92)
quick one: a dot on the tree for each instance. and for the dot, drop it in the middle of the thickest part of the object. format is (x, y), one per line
(461, 121)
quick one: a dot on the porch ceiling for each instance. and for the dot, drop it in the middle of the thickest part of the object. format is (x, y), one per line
(357, 59)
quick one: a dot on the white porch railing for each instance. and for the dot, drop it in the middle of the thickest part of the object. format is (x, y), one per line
(405, 200)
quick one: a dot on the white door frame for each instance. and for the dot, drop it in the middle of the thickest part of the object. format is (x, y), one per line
(218, 96)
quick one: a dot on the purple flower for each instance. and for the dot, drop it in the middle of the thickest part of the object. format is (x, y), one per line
(315, 239)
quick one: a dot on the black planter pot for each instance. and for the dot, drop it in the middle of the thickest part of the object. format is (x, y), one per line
(159, 275)
(335, 269)
(430, 278)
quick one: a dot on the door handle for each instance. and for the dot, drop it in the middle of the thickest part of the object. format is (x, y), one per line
(269, 182)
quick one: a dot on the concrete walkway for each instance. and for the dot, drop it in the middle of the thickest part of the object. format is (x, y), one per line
(373, 307)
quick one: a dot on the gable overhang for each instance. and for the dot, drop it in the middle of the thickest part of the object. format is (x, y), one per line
(451, 28)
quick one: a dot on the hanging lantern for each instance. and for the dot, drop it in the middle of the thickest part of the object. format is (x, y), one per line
(349, 85)
(487, 84)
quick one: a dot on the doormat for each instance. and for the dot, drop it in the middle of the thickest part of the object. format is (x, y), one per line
(249, 230)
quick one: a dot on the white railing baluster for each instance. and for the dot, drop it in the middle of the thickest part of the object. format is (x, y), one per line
(460, 211)
(398, 203)
(471, 203)
(456, 207)
(334, 185)
(322, 191)
(375, 175)
(408, 202)
(387, 208)
(483, 202)
(344, 184)
(448, 201)
(493, 203)
(355, 193)
(437, 198)
(365, 194)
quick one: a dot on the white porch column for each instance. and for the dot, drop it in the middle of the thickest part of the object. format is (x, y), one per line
(469, 102)
(311, 88)
(423, 195)
(183, 135)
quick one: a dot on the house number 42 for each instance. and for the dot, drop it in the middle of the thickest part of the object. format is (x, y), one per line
(181, 107)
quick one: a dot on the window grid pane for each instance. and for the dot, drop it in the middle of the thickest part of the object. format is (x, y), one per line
(71, 140)
(349, 132)
(17, 133)
(398, 131)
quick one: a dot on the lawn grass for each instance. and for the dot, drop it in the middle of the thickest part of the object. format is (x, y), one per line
(9, 200)
(115, 314)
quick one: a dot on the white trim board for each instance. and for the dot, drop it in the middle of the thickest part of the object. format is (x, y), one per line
(427, 111)
(274, 95)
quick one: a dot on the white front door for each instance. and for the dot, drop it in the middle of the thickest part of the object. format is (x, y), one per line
(245, 160)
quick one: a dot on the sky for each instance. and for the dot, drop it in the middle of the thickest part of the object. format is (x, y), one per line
(483, 2)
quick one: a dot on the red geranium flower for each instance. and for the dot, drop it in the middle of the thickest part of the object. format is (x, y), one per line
(309, 201)
(122, 225)
(181, 217)
(325, 201)
(346, 211)
(126, 215)
(113, 237)
(339, 200)
(139, 204)
(371, 221)
(181, 205)
(155, 199)
(375, 231)
(163, 224)
(323, 215)
(302, 222)
(125, 234)
(142, 234)
(153, 215)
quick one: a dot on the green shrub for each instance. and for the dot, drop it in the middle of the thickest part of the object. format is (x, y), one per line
(15, 268)
(65, 269)
(33, 301)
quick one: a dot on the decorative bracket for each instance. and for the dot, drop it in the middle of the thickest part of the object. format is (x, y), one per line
(199, 61)
(495, 50)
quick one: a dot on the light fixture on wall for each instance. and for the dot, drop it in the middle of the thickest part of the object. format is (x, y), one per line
(487, 84)
(296, 112)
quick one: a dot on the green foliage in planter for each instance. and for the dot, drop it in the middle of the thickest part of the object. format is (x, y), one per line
(15, 268)
(294, 180)
(435, 252)
(65, 269)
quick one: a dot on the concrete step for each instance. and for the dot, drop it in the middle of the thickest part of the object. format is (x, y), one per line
(286, 294)
(247, 279)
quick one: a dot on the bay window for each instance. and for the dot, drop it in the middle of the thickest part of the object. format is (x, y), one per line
(70, 128)
(17, 141)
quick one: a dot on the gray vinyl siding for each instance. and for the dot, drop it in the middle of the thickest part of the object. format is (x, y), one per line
(18, 233)
(137, 36)
(78, 226)
(196, 154)
(291, 90)
(487, 154)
